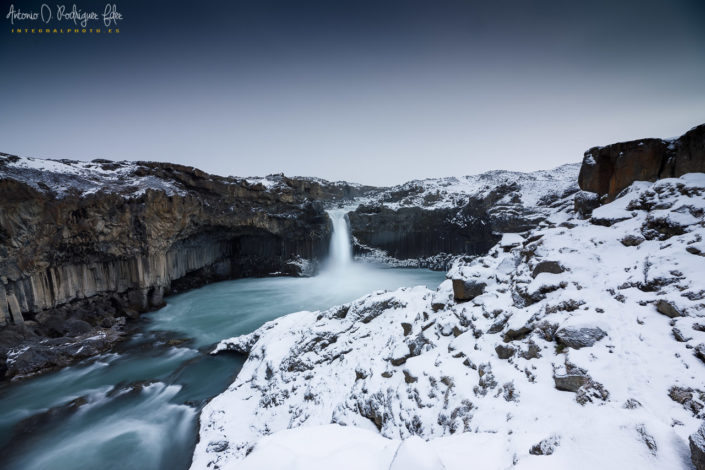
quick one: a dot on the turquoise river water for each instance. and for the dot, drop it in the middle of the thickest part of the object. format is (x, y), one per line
(137, 407)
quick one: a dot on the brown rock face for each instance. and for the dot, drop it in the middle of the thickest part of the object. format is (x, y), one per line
(610, 169)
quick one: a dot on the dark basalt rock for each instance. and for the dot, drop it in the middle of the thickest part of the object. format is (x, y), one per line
(413, 232)
(38, 356)
(552, 267)
(71, 264)
(697, 448)
(504, 352)
(464, 290)
(546, 446)
(585, 202)
(610, 169)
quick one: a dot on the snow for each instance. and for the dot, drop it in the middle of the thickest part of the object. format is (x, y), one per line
(436, 193)
(414, 370)
(64, 177)
(321, 448)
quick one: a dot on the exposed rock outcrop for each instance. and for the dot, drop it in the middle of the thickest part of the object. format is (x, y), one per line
(610, 169)
(464, 289)
(697, 448)
(414, 232)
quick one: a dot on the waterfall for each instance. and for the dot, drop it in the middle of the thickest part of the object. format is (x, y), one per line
(340, 244)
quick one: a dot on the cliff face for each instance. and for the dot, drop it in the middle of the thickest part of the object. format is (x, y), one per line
(83, 245)
(610, 169)
(413, 232)
(458, 216)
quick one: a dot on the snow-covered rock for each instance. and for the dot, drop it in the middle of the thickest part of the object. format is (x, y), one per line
(415, 362)
(697, 448)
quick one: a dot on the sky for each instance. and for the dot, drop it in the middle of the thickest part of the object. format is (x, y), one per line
(376, 92)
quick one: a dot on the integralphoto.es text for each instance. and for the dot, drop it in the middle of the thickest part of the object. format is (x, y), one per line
(46, 14)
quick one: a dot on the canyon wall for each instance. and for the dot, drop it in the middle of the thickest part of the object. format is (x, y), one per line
(60, 250)
(84, 245)
(413, 232)
(458, 216)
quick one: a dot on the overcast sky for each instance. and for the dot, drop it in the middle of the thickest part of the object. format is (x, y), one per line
(368, 91)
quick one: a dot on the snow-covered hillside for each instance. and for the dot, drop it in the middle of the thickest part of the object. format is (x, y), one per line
(72, 177)
(64, 177)
(129, 178)
(533, 189)
(580, 344)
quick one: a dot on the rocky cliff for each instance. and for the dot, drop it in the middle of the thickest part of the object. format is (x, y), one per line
(457, 215)
(83, 245)
(609, 170)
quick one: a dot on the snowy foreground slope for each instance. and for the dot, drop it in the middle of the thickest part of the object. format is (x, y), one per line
(579, 345)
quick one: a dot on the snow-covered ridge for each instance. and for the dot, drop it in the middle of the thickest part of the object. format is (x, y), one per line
(129, 178)
(132, 179)
(580, 344)
(451, 192)
(64, 177)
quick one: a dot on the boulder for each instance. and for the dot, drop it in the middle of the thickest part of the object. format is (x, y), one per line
(218, 446)
(74, 327)
(700, 351)
(464, 290)
(585, 202)
(552, 267)
(577, 338)
(570, 382)
(668, 309)
(59, 352)
(632, 240)
(504, 351)
(697, 448)
(546, 446)
(680, 337)
(609, 170)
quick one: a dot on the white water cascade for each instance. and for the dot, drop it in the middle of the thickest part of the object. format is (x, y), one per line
(340, 255)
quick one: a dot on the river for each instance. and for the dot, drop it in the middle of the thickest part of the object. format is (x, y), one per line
(137, 406)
